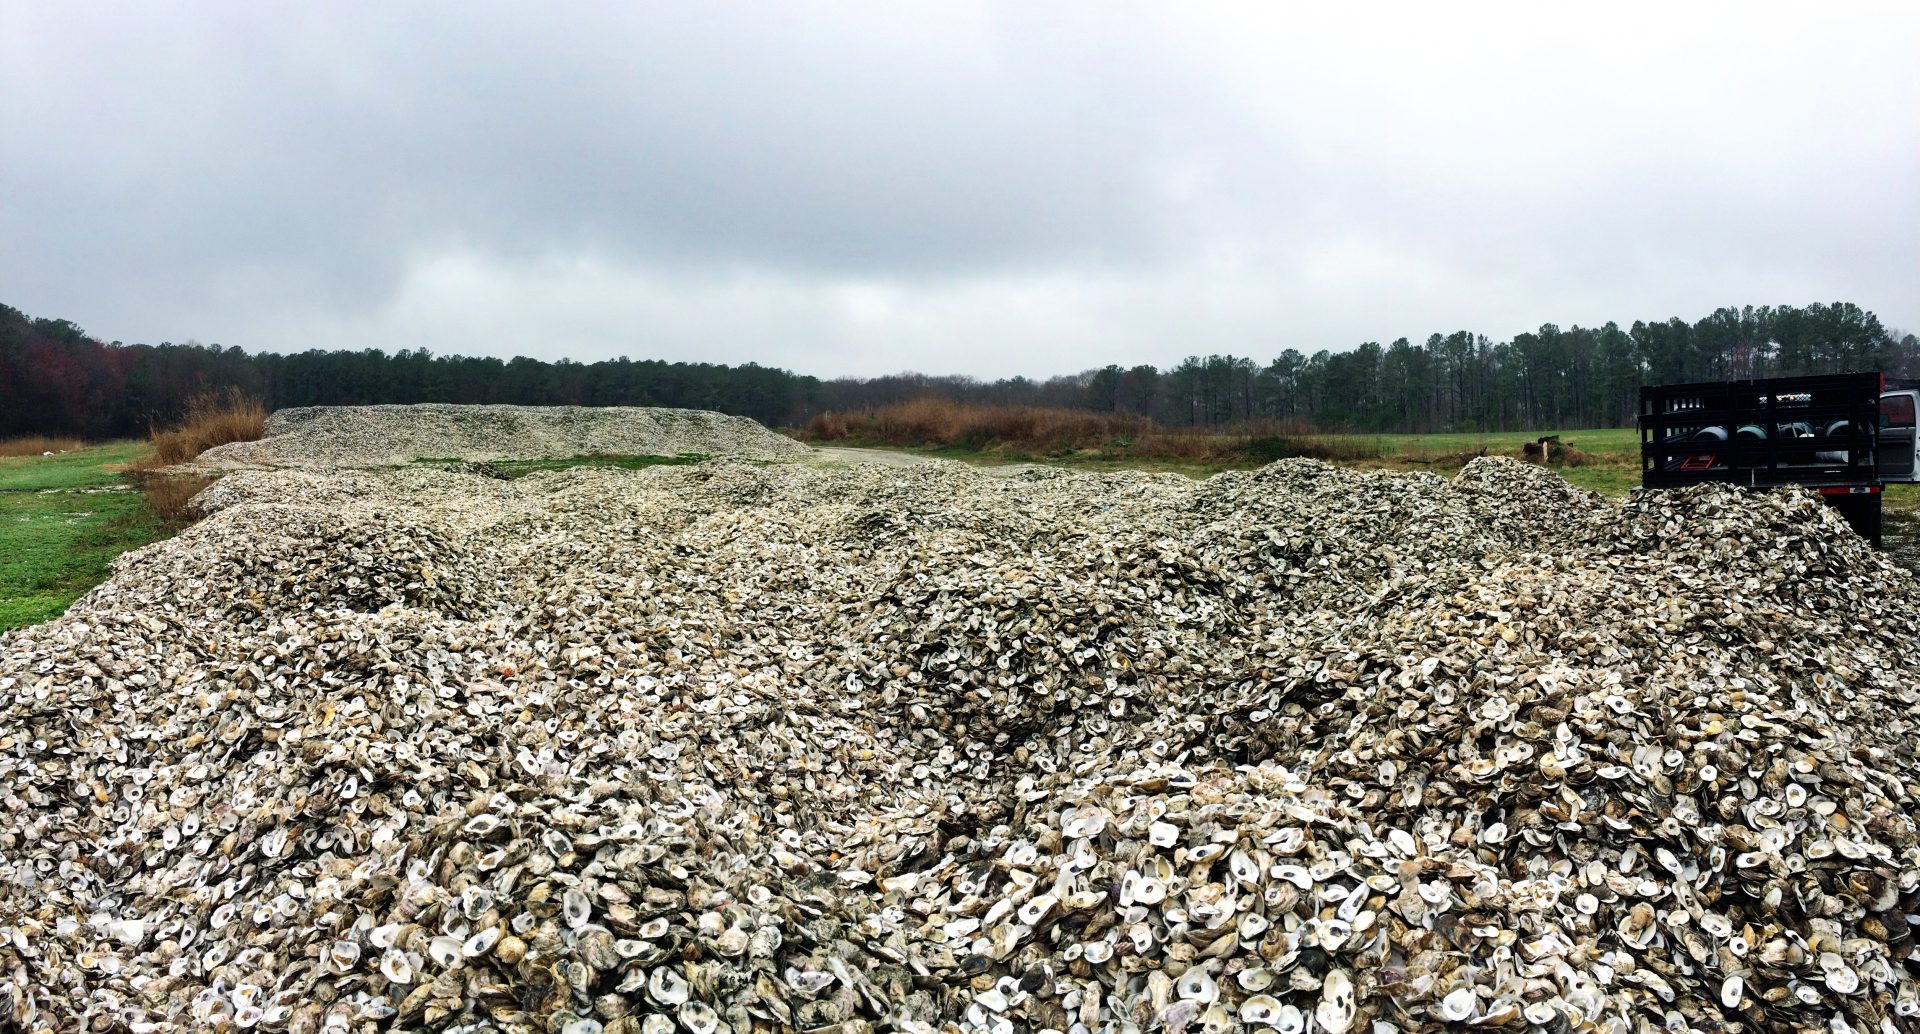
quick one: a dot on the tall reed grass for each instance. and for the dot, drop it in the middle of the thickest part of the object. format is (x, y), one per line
(212, 418)
(171, 495)
(939, 422)
(933, 422)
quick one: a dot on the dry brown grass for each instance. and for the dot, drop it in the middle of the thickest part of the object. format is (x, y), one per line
(939, 423)
(1568, 456)
(212, 418)
(1553, 452)
(1036, 431)
(34, 445)
(829, 426)
(171, 495)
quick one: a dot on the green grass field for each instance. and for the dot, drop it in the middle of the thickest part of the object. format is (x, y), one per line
(1614, 453)
(94, 465)
(1621, 442)
(57, 537)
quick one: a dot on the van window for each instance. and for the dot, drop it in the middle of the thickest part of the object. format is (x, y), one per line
(1896, 411)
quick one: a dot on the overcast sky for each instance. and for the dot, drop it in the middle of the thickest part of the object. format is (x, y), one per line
(951, 188)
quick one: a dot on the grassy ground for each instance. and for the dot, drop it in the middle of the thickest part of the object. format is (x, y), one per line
(59, 531)
(1622, 443)
(1612, 466)
(1611, 480)
(92, 466)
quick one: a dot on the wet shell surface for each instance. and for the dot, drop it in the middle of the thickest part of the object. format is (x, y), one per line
(733, 747)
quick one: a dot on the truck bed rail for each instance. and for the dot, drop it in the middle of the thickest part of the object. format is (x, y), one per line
(1821, 432)
(1761, 433)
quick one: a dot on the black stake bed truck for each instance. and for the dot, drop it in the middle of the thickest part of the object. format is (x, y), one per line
(1845, 436)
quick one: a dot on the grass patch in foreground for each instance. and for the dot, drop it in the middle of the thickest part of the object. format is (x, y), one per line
(63, 519)
(521, 468)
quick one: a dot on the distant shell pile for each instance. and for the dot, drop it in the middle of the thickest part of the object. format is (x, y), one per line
(369, 436)
(750, 748)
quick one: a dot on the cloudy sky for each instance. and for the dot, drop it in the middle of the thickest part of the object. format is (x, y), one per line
(979, 188)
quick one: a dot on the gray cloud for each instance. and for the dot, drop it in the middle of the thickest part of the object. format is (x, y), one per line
(979, 188)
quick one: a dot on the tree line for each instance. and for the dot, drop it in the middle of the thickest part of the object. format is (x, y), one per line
(57, 380)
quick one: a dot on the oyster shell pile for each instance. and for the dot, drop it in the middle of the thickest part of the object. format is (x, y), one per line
(734, 747)
(371, 436)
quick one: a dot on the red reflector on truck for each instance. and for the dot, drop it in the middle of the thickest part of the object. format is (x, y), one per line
(1850, 490)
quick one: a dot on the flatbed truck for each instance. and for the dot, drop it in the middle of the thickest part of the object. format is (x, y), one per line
(1845, 436)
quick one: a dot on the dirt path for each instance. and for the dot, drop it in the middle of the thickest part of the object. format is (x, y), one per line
(870, 457)
(890, 458)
